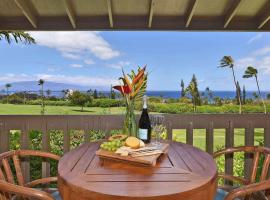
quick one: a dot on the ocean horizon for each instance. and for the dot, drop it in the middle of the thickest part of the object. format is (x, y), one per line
(221, 94)
(164, 94)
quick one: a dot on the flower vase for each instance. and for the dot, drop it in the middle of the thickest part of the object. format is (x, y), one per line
(130, 125)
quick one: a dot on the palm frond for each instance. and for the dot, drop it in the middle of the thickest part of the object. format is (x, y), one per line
(18, 36)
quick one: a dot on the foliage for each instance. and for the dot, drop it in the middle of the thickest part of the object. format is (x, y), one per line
(105, 103)
(17, 36)
(183, 92)
(80, 99)
(227, 61)
(41, 83)
(193, 90)
(253, 72)
(15, 99)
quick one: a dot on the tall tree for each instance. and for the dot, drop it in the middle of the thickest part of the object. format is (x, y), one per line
(18, 36)
(193, 90)
(8, 85)
(253, 72)
(95, 94)
(197, 93)
(41, 83)
(238, 92)
(183, 92)
(244, 95)
(48, 93)
(227, 61)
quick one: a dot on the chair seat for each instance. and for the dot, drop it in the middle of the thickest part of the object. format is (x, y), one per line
(221, 194)
(56, 195)
(255, 196)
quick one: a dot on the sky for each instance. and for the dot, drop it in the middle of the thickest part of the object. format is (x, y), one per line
(96, 58)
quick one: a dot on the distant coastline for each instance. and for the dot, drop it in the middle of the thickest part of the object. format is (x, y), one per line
(221, 94)
(163, 94)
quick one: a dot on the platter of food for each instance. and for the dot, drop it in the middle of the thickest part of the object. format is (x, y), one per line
(131, 150)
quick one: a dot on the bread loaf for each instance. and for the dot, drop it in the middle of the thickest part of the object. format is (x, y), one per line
(133, 142)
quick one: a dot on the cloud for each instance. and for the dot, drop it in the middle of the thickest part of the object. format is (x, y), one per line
(259, 59)
(89, 61)
(59, 78)
(71, 56)
(255, 38)
(119, 65)
(75, 44)
(76, 65)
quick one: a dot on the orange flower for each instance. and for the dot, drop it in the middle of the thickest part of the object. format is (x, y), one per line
(123, 89)
(139, 75)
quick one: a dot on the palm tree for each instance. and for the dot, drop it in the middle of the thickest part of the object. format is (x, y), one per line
(17, 36)
(48, 92)
(41, 83)
(227, 61)
(191, 89)
(8, 85)
(253, 72)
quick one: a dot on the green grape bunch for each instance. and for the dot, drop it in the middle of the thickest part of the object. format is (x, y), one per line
(112, 145)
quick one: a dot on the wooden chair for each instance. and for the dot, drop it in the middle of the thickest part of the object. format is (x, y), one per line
(16, 188)
(248, 189)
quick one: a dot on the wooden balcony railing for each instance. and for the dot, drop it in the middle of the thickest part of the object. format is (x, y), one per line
(106, 123)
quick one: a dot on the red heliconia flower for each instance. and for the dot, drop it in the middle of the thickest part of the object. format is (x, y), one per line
(123, 89)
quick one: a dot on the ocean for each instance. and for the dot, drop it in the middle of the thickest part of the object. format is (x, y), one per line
(221, 94)
(163, 94)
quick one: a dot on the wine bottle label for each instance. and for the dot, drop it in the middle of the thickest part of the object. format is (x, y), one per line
(143, 133)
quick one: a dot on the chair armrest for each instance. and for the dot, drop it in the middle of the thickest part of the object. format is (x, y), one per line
(246, 149)
(241, 180)
(41, 181)
(24, 191)
(248, 189)
(38, 154)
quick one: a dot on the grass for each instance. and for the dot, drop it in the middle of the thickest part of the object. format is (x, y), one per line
(12, 109)
(199, 137)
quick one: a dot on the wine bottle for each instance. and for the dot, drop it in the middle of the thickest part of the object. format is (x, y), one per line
(144, 132)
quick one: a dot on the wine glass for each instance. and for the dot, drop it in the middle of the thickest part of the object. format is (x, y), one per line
(158, 128)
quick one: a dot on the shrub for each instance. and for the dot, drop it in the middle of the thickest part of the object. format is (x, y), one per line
(105, 103)
(80, 99)
(14, 99)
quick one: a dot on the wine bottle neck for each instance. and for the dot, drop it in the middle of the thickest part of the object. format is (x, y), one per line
(144, 102)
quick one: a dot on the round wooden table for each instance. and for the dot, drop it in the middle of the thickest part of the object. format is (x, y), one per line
(185, 173)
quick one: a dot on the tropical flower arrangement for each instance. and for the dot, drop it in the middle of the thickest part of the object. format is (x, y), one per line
(132, 87)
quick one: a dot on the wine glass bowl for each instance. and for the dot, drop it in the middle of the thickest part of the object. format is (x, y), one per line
(158, 127)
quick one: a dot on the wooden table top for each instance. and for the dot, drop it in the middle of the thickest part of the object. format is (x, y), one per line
(184, 173)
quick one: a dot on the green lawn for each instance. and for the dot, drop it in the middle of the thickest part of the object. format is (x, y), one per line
(178, 135)
(11, 109)
(199, 139)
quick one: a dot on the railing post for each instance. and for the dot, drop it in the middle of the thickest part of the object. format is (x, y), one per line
(267, 134)
(86, 132)
(189, 133)
(249, 141)
(66, 138)
(4, 138)
(46, 148)
(169, 130)
(210, 138)
(229, 142)
(25, 145)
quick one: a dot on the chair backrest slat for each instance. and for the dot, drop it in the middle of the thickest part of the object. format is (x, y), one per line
(9, 175)
(2, 175)
(18, 170)
(255, 167)
(265, 168)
